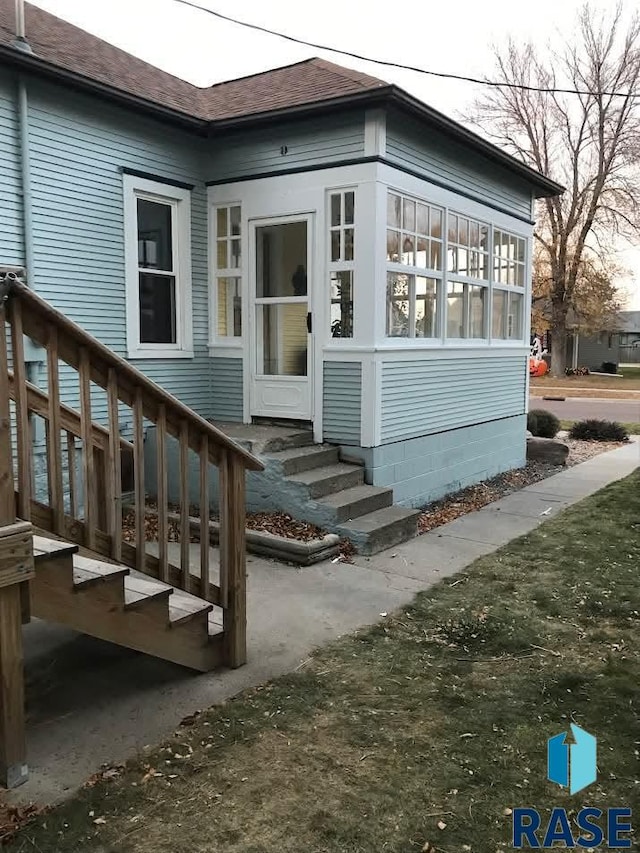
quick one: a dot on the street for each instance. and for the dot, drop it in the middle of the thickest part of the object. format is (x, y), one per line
(579, 408)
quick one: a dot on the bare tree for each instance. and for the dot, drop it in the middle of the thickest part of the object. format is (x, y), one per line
(588, 142)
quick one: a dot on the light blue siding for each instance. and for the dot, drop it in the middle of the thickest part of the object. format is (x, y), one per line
(422, 397)
(308, 143)
(78, 148)
(342, 395)
(11, 231)
(439, 158)
(226, 389)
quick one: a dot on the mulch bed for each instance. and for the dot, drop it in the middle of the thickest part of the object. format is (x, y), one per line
(278, 523)
(437, 513)
(475, 497)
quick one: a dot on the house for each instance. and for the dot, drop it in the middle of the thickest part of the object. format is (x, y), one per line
(619, 345)
(309, 245)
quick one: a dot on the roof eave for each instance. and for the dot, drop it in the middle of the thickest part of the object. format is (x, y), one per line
(367, 97)
(24, 61)
(543, 186)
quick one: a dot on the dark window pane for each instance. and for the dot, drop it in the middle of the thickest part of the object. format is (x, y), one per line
(335, 245)
(335, 210)
(235, 221)
(349, 200)
(154, 235)
(281, 260)
(157, 308)
(348, 244)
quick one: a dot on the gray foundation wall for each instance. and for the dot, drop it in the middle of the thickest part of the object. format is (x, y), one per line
(424, 469)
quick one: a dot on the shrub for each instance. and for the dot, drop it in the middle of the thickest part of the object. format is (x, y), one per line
(594, 430)
(542, 423)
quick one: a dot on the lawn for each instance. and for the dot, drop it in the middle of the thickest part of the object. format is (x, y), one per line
(429, 727)
(629, 381)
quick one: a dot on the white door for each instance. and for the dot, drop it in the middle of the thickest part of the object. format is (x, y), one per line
(281, 339)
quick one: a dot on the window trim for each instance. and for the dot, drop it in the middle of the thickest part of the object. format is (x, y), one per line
(179, 200)
(216, 341)
(340, 265)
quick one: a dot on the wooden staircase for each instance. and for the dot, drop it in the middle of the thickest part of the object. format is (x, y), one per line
(107, 601)
(63, 553)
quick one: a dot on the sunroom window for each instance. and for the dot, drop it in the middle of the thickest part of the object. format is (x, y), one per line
(468, 277)
(158, 252)
(414, 267)
(509, 269)
(341, 262)
(228, 263)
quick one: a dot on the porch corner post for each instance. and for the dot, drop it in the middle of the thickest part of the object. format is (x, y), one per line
(16, 567)
(233, 572)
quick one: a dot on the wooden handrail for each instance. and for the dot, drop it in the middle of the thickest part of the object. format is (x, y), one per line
(38, 319)
(85, 460)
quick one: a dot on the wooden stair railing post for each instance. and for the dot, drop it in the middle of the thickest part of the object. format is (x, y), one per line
(16, 566)
(233, 578)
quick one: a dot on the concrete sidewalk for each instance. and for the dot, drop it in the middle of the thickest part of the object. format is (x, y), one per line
(91, 703)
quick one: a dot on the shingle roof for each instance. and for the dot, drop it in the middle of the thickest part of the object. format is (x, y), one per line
(73, 49)
(67, 52)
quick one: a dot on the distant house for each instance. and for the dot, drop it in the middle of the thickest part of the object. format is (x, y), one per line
(618, 346)
(309, 244)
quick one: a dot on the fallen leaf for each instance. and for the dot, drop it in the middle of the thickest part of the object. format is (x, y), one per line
(100, 820)
(442, 824)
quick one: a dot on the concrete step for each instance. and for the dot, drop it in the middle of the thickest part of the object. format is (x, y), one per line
(329, 479)
(357, 501)
(298, 459)
(381, 529)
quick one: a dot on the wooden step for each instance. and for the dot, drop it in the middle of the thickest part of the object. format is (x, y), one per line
(51, 549)
(113, 603)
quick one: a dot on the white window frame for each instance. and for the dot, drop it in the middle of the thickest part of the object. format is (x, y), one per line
(179, 200)
(341, 265)
(215, 340)
(413, 272)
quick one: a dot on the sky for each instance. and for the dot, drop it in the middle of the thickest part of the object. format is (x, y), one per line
(204, 50)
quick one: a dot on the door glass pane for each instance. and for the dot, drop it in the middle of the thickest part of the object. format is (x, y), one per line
(157, 308)
(154, 235)
(281, 260)
(283, 349)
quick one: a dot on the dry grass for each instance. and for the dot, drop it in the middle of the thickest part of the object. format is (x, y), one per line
(622, 387)
(427, 727)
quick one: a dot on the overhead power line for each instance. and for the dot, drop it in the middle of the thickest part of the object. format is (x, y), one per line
(389, 64)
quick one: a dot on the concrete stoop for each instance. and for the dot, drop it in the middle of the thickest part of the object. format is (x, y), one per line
(312, 484)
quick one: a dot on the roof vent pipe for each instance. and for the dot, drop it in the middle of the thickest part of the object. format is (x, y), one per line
(21, 35)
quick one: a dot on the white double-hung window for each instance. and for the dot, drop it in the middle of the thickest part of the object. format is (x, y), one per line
(414, 267)
(341, 261)
(509, 279)
(467, 277)
(157, 221)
